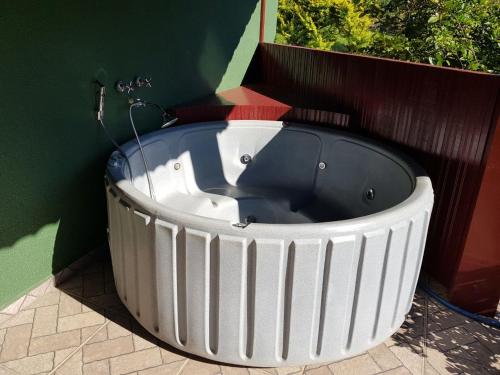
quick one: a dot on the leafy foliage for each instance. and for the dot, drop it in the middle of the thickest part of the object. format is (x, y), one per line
(457, 33)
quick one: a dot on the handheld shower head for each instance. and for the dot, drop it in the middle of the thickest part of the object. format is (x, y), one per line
(168, 120)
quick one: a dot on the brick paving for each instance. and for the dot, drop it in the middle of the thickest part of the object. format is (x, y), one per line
(81, 327)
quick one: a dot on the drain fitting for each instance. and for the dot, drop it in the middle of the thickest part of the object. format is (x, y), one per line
(245, 159)
(370, 194)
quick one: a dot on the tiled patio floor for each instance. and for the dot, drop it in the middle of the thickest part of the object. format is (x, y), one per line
(80, 327)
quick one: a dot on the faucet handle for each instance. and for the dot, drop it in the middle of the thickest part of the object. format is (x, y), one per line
(123, 87)
(130, 87)
(139, 81)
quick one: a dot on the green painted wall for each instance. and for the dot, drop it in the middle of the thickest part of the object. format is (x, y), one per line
(52, 153)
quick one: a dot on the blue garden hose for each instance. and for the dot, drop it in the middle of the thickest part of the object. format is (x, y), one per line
(480, 318)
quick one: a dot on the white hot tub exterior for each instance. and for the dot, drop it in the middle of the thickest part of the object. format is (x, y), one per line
(266, 294)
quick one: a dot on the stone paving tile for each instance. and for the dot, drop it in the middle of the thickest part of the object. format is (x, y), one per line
(450, 338)
(168, 369)
(108, 349)
(84, 319)
(314, 365)
(136, 361)
(488, 336)
(323, 370)
(32, 365)
(4, 317)
(63, 354)
(169, 356)
(288, 370)
(398, 371)
(3, 331)
(110, 288)
(442, 363)
(362, 364)
(14, 307)
(233, 370)
(384, 358)
(93, 284)
(141, 343)
(118, 329)
(74, 282)
(67, 331)
(72, 366)
(7, 371)
(16, 342)
(45, 321)
(482, 356)
(22, 317)
(41, 289)
(105, 300)
(96, 368)
(69, 305)
(94, 334)
(259, 371)
(94, 267)
(201, 368)
(478, 360)
(50, 298)
(28, 301)
(54, 342)
(412, 360)
(445, 319)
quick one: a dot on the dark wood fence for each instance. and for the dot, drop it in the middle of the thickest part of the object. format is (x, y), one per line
(445, 118)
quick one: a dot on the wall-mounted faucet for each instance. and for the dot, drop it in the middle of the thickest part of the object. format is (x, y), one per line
(167, 119)
(128, 88)
(135, 102)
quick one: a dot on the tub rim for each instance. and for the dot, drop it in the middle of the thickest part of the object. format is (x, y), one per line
(123, 189)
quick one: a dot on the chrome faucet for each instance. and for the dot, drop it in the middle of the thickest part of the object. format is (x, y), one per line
(135, 102)
(129, 88)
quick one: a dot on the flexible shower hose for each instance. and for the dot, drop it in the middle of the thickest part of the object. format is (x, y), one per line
(120, 150)
(150, 182)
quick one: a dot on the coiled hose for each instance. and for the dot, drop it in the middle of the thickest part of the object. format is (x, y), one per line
(477, 317)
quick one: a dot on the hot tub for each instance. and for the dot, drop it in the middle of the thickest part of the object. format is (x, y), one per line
(268, 244)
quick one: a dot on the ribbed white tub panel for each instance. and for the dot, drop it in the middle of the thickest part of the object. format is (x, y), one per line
(364, 306)
(419, 257)
(147, 307)
(341, 260)
(115, 238)
(229, 315)
(129, 258)
(263, 301)
(197, 290)
(301, 299)
(166, 281)
(411, 260)
(266, 297)
(390, 277)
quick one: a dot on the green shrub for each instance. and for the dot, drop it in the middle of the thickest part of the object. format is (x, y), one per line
(456, 33)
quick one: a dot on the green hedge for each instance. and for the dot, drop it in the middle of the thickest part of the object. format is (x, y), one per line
(456, 33)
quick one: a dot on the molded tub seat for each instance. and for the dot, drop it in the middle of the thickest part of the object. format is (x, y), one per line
(269, 244)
